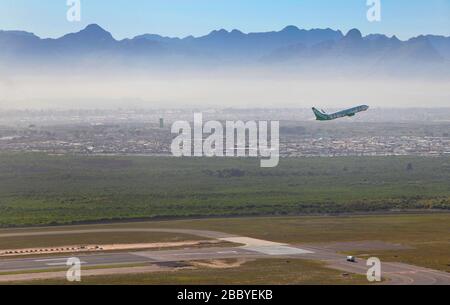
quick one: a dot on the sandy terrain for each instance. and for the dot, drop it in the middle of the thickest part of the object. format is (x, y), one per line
(221, 264)
(96, 248)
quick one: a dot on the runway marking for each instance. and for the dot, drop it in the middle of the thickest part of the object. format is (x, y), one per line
(51, 259)
(227, 252)
(62, 264)
(58, 261)
(180, 254)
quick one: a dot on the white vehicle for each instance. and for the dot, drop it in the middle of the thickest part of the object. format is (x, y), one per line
(351, 259)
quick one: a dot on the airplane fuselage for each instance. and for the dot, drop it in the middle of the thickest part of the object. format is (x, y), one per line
(322, 116)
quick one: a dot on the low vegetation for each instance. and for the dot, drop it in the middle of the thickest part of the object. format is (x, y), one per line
(37, 189)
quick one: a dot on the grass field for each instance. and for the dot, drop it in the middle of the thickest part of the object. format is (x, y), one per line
(37, 189)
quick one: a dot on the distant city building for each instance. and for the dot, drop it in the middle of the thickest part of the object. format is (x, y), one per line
(129, 132)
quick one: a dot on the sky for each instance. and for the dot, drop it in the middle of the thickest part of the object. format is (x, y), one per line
(125, 18)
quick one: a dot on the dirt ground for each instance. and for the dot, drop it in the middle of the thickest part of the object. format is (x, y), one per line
(96, 248)
(221, 264)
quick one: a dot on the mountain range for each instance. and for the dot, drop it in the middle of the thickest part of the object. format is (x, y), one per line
(292, 49)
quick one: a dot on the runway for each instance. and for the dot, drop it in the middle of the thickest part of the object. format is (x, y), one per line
(109, 259)
(394, 273)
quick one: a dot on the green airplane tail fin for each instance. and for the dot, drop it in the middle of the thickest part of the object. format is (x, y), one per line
(320, 116)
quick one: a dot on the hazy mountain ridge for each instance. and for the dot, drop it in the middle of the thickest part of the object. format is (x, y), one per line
(373, 54)
(299, 50)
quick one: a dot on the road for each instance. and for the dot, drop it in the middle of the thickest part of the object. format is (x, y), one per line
(394, 273)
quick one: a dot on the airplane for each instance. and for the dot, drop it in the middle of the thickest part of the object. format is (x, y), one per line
(322, 116)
